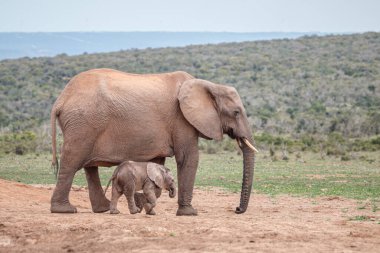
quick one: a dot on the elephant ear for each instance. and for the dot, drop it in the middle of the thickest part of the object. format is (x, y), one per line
(154, 172)
(197, 102)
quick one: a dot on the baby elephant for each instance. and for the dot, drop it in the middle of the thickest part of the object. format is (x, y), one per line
(130, 177)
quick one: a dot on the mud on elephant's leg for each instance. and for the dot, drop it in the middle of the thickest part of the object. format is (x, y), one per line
(99, 202)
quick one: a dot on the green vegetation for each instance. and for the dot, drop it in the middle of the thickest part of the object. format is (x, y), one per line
(361, 218)
(36, 169)
(314, 104)
(307, 175)
(301, 175)
(305, 88)
(18, 143)
(281, 146)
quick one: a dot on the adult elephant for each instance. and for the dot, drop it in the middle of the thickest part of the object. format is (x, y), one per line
(108, 117)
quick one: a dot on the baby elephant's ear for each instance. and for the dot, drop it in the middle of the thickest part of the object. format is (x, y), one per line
(155, 174)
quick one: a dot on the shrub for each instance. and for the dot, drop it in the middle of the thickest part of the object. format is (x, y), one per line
(335, 152)
(18, 143)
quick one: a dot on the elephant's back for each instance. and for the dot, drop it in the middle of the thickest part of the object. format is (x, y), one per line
(87, 77)
(108, 83)
(130, 171)
(99, 95)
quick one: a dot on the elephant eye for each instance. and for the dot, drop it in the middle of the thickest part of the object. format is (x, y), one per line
(236, 113)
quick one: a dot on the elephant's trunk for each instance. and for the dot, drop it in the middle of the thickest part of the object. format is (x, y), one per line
(172, 191)
(249, 162)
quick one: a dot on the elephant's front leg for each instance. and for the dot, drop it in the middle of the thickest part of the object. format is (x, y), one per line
(187, 163)
(99, 202)
(151, 199)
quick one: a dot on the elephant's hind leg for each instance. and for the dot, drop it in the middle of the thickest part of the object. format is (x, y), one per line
(129, 192)
(60, 200)
(140, 200)
(99, 202)
(114, 199)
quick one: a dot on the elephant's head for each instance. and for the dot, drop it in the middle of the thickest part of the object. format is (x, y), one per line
(162, 177)
(215, 110)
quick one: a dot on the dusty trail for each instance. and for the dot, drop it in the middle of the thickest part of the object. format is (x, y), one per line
(280, 224)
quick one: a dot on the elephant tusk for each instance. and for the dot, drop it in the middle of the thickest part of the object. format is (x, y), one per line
(250, 145)
(238, 142)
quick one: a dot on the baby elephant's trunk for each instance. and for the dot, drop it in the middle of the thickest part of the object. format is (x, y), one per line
(172, 191)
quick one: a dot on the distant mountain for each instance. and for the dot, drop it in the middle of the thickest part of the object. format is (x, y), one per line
(17, 45)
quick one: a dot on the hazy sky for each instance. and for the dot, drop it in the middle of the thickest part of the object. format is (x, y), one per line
(190, 15)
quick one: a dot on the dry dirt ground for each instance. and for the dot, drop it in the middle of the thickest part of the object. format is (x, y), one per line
(279, 224)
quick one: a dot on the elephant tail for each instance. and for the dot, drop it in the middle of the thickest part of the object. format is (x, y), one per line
(54, 162)
(108, 185)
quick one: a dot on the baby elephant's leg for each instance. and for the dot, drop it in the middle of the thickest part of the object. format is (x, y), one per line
(149, 191)
(129, 192)
(115, 197)
(140, 200)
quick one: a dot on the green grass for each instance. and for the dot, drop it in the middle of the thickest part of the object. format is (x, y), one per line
(361, 218)
(308, 175)
(36, 169)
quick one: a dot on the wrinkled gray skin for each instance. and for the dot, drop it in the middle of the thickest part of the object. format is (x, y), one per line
(151, 178)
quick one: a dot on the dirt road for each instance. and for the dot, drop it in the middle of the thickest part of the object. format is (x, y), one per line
(280, 224)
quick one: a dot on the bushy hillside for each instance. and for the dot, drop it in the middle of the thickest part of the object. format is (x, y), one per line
(312, 85)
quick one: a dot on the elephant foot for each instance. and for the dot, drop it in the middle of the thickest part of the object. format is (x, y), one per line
(102, 206)
(134, 210)
(151, 212)
(186, 211)
(114, 211)
(62, 208)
